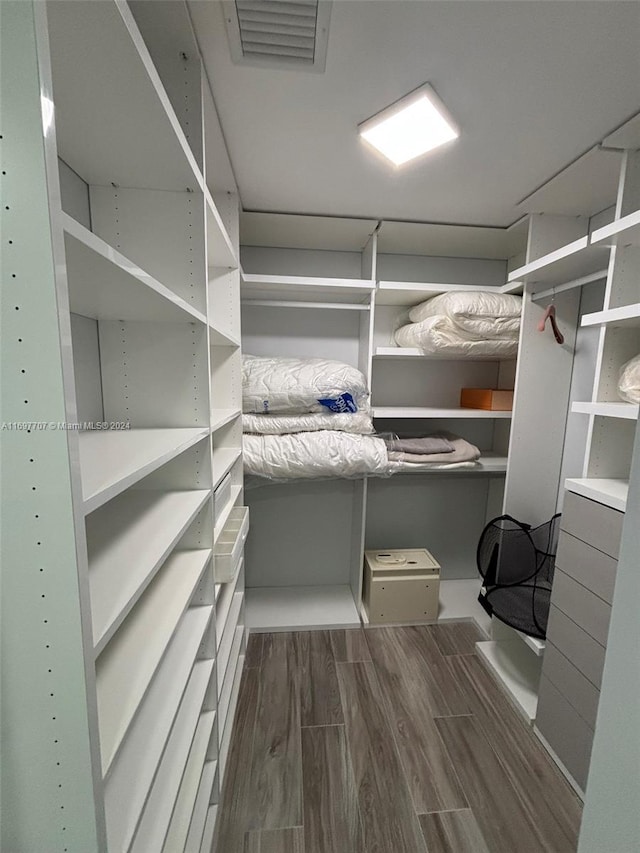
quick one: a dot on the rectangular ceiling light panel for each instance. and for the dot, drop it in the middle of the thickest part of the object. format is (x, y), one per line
(278, 33)
(410, 127)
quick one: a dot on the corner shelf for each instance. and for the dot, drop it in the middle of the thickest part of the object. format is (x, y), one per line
(289, 608)
(606, 409)
(572, 261)
(113, 460)
(278, 288)
(402, 412)
(610, 492)
(105, 285)
(412, 292)
(621, 232)
(624, 315)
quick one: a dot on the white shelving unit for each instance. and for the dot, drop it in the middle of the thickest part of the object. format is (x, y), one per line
(613, 493)
(403, 412)
(133, 331)
(628, 411)
(624, 231)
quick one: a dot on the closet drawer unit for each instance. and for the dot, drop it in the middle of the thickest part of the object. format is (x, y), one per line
(406, 591)
(578, 690)
(596, 524)
(565, 731)
(576, 645)
(230, 544)
(581, 605)
(587, 565)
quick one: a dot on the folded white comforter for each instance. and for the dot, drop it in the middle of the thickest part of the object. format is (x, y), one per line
(441, 336)
(311, 455)
(479, 313)
(300, 385)
(356, 422)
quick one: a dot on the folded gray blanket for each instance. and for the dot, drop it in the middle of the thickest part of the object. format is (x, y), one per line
(427, 445)
(463, 451)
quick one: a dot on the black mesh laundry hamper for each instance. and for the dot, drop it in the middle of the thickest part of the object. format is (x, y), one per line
(516, 562)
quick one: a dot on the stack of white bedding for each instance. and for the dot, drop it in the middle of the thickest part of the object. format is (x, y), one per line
(307, 419)
(472, 324)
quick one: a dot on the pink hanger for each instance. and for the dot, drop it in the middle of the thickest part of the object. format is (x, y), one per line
(550, 314)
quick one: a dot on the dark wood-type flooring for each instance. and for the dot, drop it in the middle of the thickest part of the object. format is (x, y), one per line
(389, 740)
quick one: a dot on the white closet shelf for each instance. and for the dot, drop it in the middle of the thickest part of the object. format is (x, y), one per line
(223, 460)
(226, 686)
(490, 463)
(621, 232)
(304, 288)
(225, 733)
(177, 683)
(605, 409)
(413, 292)
(113, 460)
(223, 605)
(154, 823)
(613, 493)
(224, 515)
(221, 417)
(220, 251)
(221, 338)
(209, 830)
(115, 124)
(414, 352)
(185, 801)
(537, 646)
(402, 412)
(572, 261)
(105, 285)
(516, 669)
(127, 664)
(201, 808)
(229, 638)
(290, 608)
(128, 541)
(624, 315)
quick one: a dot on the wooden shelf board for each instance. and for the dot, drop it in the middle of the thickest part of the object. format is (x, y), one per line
(113, 460)
(290, 608)
(400, 412)
(613, 493)
(575, 260)
(621, 232)
(128, 541)
(115, 122)
(516, 669)
(105, 285)
(629, 411)
(126, 666)
(624, 315)
(177, 683)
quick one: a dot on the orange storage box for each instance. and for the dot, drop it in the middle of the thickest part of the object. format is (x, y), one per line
(486, 398)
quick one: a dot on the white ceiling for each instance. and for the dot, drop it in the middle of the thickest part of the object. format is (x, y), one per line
(532, 83)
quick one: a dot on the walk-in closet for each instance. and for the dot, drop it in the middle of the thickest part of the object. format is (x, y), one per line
(320, 460)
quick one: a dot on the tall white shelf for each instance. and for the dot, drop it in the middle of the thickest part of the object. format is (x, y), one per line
(310, 302)
(124, 293)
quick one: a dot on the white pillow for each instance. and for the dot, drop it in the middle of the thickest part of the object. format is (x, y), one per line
(629, 384)
(462, 306)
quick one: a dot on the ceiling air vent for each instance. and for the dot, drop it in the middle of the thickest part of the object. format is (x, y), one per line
(279, 33)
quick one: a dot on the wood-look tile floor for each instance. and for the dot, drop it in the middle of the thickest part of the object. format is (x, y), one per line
(389, 740)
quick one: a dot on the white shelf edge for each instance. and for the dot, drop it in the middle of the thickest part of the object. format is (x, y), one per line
(537, 646)
(317, 304)
(194, 502)
(308, 607)
(101, 248)
(201, 807)
(224, 515)
(230, 456)
(618, 227)
(433, 287)
(413, 352)
(516, 669)
(628, 411)
(226, 685)
(623, 315)
(229, 639)
(209, 829)
(224, 734)
(221, 242)
(489, 463)
(220, 338)
(399, 412)
(273, 281)
(221, 417)
(549, 259)
(117, 483)
(226, 604)
(612, 493)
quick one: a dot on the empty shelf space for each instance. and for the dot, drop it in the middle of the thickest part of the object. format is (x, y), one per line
(228, 638)
(223, 605)
(128, 540)
(224, 732)
(201, 808)
(400, 412)
(624, 315)
(177, 683)
(573, 261)
(223, 460)
(209, 831)
(220, 251)
(113, 460)
(230, 544)
(226, 685)
(105, 285)
(621, 232)
(414, 352)
(304, 288)
(221, 417)
(293, 607)
(613, 493)
(224, 515)
(414, 292)
(607, 409)
(154, 823)
(114, 122)
(127, 664)
(515, 668)
(537, 646)
(185, 802)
